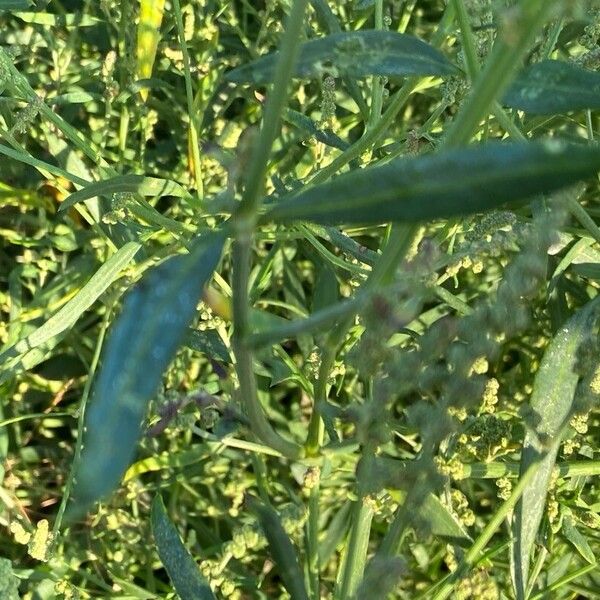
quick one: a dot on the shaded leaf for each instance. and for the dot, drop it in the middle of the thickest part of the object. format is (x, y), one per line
(135, 184)
(552, 400)
(181, 567)
(553, 87)
(282, 550)
(208, 342)
(442, 523)
(355, 53)
(447, 184)
(15, 4)
(144, 340)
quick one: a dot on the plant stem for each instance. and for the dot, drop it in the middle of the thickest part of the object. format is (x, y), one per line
(81, 423)
(244, 221)
(355, 553)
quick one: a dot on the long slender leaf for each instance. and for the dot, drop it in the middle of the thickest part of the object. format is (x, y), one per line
(14, 4)
(554, 87)
(282, 550)
(355, 53)
(146, 336)
(146, 186)
(68, 315)
(181, 567)
(456, 182)
(148, 36)
(552, 400)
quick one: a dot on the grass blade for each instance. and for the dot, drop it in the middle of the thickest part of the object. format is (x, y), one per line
(354, 53)
(148, 35)
(68, 315)
(553, 87)
(282, 550)
(181, 567)
(153, 323)
(135, 184)
(552, 400)
(447, 184)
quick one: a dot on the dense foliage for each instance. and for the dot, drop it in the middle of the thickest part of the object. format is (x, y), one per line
(298, 299)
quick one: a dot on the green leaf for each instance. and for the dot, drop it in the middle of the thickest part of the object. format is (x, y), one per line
(282, 550)
(447, 184)
(152, 325)
(442, 523)
(9, 584)
(355, 53)
(135, 184)
(68, 315)
(208, 342)
(576, 538)
(552, 400)
(554, 87)
(181, 567)
(14, 4)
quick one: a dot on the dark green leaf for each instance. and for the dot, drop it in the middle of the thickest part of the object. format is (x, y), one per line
(447, 184)
(181, 567)
(552, 400)
(208, 342)
(14, 4)
(553, 87)
(144, 340)
(282, 550)
(355, 53)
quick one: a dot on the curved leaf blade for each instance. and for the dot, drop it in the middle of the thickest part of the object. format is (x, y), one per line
(68, 315)
(446, 184)
(152, 325)
(554, 87)
(282, 550)
(552, 400)
(354, 53)
(131, 183)
(178, 562)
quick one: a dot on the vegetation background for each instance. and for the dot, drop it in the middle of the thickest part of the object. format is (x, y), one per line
(328, 351)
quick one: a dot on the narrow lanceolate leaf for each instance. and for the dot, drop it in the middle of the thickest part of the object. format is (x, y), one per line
(554, 87)
(148, 36)
(15, 4)
(178, 562)
(152, 325)
(282, 550)
(552, 400)
(134, 184)
(446, 184)
(354, 53)
(68, 315)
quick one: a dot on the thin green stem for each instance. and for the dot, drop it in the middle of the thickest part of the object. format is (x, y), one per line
(189, 92)
(81, 423)
(355, 553)
(276, 101)
(490, 529)
(312, 542)
(244, 221)
(377, 86)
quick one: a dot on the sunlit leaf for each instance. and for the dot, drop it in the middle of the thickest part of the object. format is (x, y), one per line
(148, 36)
